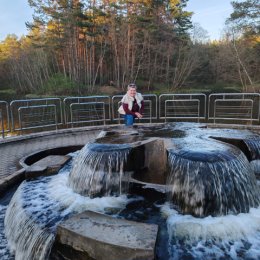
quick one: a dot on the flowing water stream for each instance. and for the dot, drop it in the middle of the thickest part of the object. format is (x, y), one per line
(219, 188)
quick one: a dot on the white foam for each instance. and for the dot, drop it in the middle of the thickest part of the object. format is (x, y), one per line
(4, 252)
(74, 202)
(227, 235)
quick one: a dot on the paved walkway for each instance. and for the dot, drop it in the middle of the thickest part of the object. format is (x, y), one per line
(14, 148)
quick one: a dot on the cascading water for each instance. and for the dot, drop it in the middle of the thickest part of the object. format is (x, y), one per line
(229, 237)
(4, 251)
(212, 179)
(33, 237)
(98, 170)
(253, 146)
(210, 183)
(207, 178)
(38, 206)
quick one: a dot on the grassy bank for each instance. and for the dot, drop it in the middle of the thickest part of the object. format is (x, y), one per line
(10, 94)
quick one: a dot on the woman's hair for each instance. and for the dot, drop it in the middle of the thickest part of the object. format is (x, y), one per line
(131, 85)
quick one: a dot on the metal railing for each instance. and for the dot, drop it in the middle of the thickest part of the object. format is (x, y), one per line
(147, 114)
(150, 107)
(116, 102)
(4, 118)
(2, 125)
(182, 106)
(239, 110)
(36, 113)
(182, 109)
(87, 112)
(235, 107)
(31, 117)
(73, 104)
(151, 112)
(93, 110)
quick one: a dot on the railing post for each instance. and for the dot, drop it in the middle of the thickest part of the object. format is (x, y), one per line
(164, 107)
(2, 125)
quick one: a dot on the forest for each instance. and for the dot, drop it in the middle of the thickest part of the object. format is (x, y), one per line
(83, 47)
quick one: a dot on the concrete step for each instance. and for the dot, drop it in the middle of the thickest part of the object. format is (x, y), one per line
(91, 235)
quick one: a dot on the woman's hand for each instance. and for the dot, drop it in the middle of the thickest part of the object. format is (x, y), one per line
(138, 115)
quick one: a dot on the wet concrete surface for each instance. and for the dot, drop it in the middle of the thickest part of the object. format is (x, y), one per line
(12, 149)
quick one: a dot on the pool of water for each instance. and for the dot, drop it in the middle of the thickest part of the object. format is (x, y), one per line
(46, 201)
(5, 253)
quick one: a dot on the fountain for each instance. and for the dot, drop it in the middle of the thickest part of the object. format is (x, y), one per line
(196, 186)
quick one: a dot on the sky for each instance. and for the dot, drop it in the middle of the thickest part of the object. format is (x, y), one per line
(210, 14)
(13, 15)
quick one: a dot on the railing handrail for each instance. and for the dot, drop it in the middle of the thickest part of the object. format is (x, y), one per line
(224, 95)
(189, 97)
(183, 117)
(202, 110)
(244, 97)
(85, 121)
(239, 116)
(20, 109)
(97, 97)
(30, 103)
(5, 118)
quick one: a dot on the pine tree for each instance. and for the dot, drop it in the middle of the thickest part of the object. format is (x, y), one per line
(246, 15)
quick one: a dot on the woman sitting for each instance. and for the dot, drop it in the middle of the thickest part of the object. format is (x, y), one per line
(132, 105)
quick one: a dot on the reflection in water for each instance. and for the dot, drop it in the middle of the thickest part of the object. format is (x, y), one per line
(143, 133)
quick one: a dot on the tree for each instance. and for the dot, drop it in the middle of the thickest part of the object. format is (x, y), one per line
(244, 30)
(246, 15)
(93, 42)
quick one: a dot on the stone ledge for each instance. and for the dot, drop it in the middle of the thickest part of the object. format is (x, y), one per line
(18, 138)
(47, 166)
(11, 180)
(91, 235)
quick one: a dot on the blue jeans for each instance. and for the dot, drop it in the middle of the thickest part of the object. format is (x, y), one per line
(129, 120)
